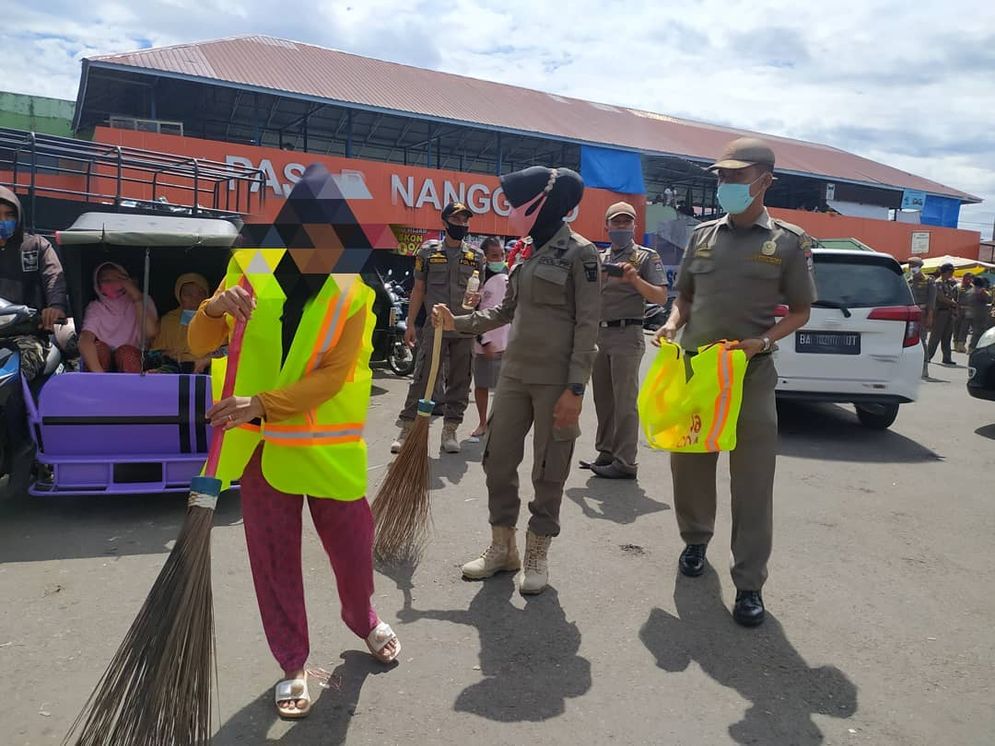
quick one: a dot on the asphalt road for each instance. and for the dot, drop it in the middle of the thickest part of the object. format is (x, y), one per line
(879, 629)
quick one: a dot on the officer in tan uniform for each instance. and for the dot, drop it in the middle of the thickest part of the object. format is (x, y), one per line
(924, 294)
(631, 275)
(442, 269)
(942, 328)
(735, 272)
(553, 303)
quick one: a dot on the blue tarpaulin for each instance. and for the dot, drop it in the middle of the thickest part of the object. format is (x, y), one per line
(943, 211)
(617, 170)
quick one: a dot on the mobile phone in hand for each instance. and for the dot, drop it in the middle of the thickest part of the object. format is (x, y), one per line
(613, 270)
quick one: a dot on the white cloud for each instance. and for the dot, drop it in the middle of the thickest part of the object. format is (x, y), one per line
(904, 83)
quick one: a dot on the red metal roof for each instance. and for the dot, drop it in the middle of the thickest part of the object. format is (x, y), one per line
(303, 69)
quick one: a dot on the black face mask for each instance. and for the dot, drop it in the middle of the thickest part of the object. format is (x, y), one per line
(457, 232)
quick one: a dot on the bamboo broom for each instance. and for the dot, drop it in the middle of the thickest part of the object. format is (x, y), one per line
(157, 689)
(401, 507)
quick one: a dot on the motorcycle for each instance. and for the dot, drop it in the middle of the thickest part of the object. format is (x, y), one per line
(17, 321)
(390, 307)
(655, 316)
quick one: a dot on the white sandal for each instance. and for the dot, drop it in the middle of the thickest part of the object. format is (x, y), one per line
(381, 636)
(289, 692)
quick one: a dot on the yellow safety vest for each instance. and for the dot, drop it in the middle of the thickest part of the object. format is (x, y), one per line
(320, 453)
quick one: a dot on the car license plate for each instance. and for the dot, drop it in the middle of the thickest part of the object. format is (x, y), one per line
(828, 343)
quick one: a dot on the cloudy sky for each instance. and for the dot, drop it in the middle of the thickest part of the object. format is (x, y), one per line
(906, 83)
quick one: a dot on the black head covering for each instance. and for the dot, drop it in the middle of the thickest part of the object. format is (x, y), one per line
(321, 235)
(527, 185)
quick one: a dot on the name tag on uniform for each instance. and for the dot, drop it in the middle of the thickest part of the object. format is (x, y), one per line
(437, 259)
(29, 260)
(555, 262)
(776, 260)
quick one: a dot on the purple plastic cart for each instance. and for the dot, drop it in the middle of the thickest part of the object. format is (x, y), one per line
(106, 433)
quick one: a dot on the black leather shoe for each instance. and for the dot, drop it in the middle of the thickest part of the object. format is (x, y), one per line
(692, 561)
(612, 471)
(603, 459)
(749, 608)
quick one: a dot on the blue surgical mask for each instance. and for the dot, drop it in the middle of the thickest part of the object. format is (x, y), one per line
(620, 238)
(735, 198)
(7, 228)
(186, 316)
(496, 266)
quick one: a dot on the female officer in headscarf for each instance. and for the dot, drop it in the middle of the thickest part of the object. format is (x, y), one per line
(554, 305)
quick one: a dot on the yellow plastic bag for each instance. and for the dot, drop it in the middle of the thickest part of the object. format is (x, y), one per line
(691, 403)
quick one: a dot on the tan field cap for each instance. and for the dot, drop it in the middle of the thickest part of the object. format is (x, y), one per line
(620, 208)
(743, 153)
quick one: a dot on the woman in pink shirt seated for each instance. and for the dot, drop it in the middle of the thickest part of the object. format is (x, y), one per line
(489, 348)
(112, 324)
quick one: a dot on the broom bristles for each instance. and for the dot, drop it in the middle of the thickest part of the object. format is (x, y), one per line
(401, 507)
(157, 689)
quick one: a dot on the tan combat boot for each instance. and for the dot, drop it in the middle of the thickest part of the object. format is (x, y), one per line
(449, 442)
(535, 575)
(500, 556)
(395, 447)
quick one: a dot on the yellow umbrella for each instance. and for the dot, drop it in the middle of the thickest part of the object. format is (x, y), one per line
(961, 265)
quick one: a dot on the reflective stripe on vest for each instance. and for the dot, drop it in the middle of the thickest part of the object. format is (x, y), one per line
(320, 453)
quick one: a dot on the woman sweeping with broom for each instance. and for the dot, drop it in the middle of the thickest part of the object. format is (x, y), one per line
(294, 429)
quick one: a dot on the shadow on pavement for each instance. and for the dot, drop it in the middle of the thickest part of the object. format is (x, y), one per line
(444, 468)
(528, 657)
(827, 432)
(46, 528)
(618, 501)
(987, 431)
(760, 664)
(330, 718)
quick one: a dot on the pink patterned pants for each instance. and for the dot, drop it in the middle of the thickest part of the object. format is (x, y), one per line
(272, 521)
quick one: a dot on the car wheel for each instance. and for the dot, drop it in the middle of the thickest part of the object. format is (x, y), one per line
(877, 416)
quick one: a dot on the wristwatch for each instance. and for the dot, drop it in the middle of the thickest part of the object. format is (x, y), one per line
(767, 344)
(577, 389)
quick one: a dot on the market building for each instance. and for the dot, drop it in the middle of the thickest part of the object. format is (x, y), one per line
(264, 108)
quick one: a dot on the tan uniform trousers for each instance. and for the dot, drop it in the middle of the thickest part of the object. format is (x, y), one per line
(454, 376)
(751, 469)
(615, 378)
(519, 407)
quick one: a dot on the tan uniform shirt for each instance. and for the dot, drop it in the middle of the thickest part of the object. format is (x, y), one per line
(923, 292)
(736, 278)
(554, 306)
(620, 300)
(446, 272)
(946, 295)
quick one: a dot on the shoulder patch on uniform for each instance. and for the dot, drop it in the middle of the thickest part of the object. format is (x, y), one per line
(789, 227)
(591, 271)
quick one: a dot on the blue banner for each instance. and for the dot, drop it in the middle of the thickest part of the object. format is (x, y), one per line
(942, 211)
(617, 170)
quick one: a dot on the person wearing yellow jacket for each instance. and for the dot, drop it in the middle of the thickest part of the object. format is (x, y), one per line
(294, 431)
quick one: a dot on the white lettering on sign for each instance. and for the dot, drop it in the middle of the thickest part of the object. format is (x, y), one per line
(500, 204)
(481, 205)
(405, 190)
(292, 172)
(428, 193)
(452, 195)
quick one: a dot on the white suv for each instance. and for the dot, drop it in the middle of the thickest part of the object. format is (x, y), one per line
(861, 345)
